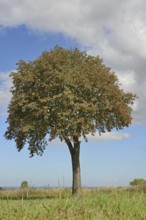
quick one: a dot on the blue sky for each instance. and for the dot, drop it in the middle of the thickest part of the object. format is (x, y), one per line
(115, 32)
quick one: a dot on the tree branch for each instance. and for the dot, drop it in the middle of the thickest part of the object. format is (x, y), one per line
(68, 142)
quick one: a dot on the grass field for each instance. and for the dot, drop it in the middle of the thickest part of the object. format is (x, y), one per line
(58, 204)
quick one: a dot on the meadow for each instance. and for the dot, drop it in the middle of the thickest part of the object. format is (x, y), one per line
(58, 204)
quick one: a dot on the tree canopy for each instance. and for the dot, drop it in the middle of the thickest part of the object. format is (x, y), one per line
(68, 94)
(64, 93)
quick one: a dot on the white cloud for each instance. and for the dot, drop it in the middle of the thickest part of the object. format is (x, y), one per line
(114, 29)
(109, 136)
(127, 79)
(5, 85)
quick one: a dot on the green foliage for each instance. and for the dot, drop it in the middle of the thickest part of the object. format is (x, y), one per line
(24, 185)
(66, 94)
(137, 182)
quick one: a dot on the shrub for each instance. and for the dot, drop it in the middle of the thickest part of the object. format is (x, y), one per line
(137, 182)
(24, 185)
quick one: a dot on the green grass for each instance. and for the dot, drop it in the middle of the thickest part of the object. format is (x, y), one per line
(95, 204)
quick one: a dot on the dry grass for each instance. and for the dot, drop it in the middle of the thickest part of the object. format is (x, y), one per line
(53, 204)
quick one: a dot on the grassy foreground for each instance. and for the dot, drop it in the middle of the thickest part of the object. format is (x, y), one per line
(95, 204)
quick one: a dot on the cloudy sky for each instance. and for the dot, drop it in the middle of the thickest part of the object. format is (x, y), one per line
(115, 30)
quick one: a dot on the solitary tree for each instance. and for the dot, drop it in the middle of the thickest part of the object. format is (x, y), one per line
(66, 94)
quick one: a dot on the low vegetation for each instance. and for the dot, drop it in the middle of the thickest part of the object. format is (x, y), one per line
(59, 204)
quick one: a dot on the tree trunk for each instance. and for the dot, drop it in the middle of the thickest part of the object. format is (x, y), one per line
(76, 181)
(74, 149)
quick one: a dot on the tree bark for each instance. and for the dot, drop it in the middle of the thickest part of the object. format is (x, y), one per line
(74, 149)
(76, 181)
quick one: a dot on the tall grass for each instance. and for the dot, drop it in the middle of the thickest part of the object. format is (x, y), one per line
(93, 204)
